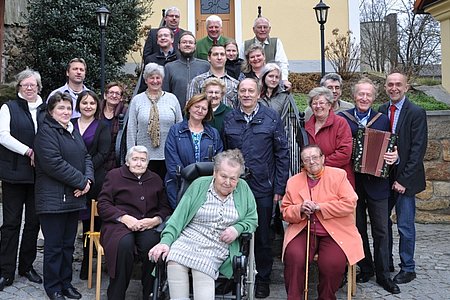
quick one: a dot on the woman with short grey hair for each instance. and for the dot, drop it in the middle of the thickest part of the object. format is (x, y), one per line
(19, 121)
(151, 114)
(330, 131)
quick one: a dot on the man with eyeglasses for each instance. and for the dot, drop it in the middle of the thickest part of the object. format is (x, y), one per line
(333, 82)
(179, 73)
(76, 73)
(273, 47)
(172, 21)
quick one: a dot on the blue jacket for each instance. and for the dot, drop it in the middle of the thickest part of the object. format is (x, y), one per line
(179, 151)
(264, 146)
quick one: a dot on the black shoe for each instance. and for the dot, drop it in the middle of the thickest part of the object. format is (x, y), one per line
(56, 296)
(262, 290)
(391, 269)
(71, 293)
(32, 276)
(404, 277)
(5, 281)
(363, 277)
(389, 286)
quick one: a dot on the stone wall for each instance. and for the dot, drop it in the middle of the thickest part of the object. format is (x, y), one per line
(14, 58)
(433, 204)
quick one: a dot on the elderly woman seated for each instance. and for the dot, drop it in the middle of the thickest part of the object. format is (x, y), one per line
(132, 204)
(201, 235)
(325, 196)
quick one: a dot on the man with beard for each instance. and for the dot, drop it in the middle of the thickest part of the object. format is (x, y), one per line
(76, 73)
(179, 73)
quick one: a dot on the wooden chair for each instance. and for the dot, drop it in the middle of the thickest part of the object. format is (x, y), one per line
(94, 240)
(351, 279)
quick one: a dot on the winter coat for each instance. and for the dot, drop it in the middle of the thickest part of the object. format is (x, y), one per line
(179, 151)
(63, 165)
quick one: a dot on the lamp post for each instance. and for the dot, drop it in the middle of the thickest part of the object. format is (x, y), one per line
(321, 10)
(102, 18)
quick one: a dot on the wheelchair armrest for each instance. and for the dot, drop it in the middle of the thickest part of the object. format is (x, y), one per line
(161, 226)
(244, 240)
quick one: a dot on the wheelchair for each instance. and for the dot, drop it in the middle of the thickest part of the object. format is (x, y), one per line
(243, 278)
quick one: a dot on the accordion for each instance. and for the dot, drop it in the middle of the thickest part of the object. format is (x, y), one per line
(369, 147)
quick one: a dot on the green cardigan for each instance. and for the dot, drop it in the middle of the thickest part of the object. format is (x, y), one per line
(194, 198)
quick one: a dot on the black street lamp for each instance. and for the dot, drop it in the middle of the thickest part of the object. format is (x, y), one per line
(321, 10)
(102, 18)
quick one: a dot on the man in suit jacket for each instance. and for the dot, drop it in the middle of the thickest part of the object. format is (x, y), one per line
(373, 192)
(409, 122)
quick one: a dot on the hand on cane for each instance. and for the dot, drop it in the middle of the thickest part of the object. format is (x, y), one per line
(308, 207)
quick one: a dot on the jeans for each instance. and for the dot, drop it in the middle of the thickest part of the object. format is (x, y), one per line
(405, 209)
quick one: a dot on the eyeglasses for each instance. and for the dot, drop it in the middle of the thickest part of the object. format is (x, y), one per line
(319, 103)
(314, 158)
(112, 93)
(28, 85)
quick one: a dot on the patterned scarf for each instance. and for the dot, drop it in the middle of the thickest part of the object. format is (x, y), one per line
(153, 121)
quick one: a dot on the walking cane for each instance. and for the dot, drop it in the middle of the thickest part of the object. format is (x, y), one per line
(307, 258)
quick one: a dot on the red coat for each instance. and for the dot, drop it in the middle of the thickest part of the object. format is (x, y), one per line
(337, 201)
(123, 193)
(335, 140)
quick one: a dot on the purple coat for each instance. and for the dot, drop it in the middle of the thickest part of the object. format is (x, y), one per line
(123, 193)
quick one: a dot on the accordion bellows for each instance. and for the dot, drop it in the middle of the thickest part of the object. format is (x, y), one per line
(369, 147)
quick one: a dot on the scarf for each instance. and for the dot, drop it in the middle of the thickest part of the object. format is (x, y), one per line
(153, 121)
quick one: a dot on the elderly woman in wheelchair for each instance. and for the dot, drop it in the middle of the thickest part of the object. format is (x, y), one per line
(201, 235)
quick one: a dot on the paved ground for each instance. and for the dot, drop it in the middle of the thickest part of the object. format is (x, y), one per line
(432, 259)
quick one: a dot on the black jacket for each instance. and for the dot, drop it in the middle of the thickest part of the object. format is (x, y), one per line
(62, 166)
(14, 167)
(412, 137)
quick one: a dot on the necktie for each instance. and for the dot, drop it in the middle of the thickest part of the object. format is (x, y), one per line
(392, 109)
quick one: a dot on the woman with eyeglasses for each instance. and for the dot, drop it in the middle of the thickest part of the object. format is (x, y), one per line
(193, 140)
(331, 132)
(112, 107)
(324, 196)
(19, 122)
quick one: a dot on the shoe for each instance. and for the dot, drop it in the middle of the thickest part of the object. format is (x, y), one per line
(391, 269)
(262, 290)
(32, 276)
(4, 282)
(71, 293)
(389, 286)
(56, 296)
(363, 277)
(404, 277)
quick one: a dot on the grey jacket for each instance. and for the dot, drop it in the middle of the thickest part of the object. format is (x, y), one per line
(179, 73)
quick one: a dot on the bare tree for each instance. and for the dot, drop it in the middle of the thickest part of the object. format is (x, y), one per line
(419, 39)
(343, 53)
(377, 35)
(403, 40)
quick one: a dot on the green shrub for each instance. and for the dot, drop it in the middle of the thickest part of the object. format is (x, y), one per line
(428, 81)
(63, 29)
(426, 102)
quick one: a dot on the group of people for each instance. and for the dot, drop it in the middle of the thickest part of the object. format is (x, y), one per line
(200, 102)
